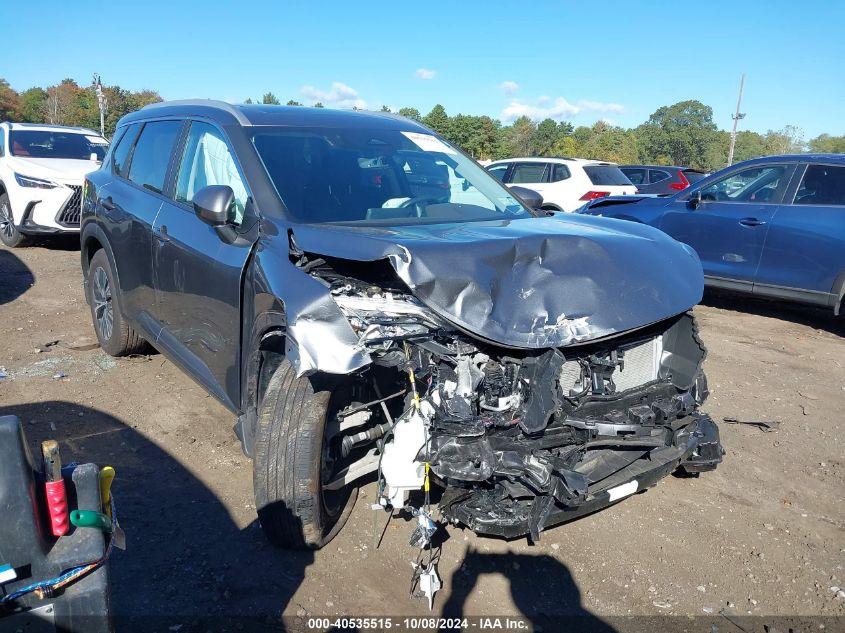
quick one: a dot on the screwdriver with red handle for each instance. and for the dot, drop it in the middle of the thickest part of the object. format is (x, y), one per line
(55, 487)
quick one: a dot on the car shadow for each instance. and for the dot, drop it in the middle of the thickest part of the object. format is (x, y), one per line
(542, 588)
(817, 318)
(15, 277)
(61, 242)
(187, 566)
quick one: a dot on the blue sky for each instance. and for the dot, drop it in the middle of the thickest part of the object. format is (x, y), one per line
(578, 61)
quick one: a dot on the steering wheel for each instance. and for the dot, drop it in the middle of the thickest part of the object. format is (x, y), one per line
(416, 202)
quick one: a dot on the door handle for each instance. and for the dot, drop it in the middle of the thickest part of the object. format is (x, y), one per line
(161, 234)
(751, 222)
(108, 204)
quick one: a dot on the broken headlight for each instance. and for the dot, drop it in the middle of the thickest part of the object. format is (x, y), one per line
(379, 317)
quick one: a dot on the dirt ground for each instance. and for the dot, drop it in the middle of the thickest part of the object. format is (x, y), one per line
(762, 535)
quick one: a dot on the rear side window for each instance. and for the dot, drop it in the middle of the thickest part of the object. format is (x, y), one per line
(609, 175)
(120, 156)
(636, 175)
(560, 172)
(528, 173)
(152, 154)
(2, 141)
(656, 175)
(822, 184)
(498, 172)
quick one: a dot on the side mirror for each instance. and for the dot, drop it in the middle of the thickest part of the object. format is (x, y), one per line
(93, 156)
(529, 197)
(212, 203)
(694, 201)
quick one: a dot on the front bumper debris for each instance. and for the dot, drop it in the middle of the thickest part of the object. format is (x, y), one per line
(695, 448)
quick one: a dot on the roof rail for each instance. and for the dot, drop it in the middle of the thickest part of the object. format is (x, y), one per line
(78, 128)
(208, 103)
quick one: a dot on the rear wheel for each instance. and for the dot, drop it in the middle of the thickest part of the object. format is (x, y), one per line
(9, 233)
(116, 336)
(293, 462)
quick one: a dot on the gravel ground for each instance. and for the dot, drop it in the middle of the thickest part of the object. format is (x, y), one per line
(762, 535)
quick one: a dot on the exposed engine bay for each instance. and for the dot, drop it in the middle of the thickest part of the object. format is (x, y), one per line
(517, 439)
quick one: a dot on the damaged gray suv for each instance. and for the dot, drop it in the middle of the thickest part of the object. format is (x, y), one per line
(372, 305)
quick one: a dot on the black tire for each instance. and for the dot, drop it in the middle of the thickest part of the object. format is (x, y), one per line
(116, 336)
(288, 468)
(9, 233)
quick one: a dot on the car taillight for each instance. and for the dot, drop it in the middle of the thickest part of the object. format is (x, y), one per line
(680, 186)
(593, 195)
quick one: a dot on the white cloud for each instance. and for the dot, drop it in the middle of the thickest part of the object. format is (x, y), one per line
(509, 87)
(558, 109)
(425, 73)
(339, 96)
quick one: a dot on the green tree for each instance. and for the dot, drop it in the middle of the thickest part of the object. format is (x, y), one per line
(319, 104)
(437, 120)
(788, 140)
(270, 99)
(521, 136)
(611, 143)
(293, 103)
(248, 100)
(410, 113)
(33, 105)
(823, 144)
(544, 138)
(679, 134)
(384, 108)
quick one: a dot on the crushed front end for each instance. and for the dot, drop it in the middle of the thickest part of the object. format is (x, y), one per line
(518, 439)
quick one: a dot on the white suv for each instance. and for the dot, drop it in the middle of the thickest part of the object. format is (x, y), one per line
(42, 168)
(565, 183)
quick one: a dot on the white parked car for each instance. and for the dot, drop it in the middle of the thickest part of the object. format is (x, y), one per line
(42, 168)
(565, 183)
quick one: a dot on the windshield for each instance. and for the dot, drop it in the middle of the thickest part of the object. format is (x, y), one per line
(56, 144)
(378, 177)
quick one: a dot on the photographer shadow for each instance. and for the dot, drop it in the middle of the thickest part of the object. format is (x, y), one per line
(16, 277)
(541, 587)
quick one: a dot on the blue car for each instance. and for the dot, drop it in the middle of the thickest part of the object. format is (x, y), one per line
(771, 227)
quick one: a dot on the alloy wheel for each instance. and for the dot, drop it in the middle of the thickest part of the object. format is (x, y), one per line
(7, 226)
(103, 308)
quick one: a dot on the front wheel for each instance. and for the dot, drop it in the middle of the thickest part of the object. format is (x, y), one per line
(116, 336)
(293, 463)
(9, 233)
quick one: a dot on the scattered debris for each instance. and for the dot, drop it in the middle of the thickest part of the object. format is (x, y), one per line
(59, 375)
(83, 344)
(661, 604)
(429, 582)
(46, 346)
(766, 426)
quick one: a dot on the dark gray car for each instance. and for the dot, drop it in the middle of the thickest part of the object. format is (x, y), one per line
(371, 303)
(660, 179)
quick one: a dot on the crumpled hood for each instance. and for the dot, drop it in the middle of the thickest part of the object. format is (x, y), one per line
(60, 169)
(529, 283)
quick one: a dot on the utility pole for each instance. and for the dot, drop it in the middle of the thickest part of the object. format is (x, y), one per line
(101, 102)
(736, 117)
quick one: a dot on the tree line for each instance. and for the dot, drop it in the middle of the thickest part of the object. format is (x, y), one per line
(68, 103)
(680, 134)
